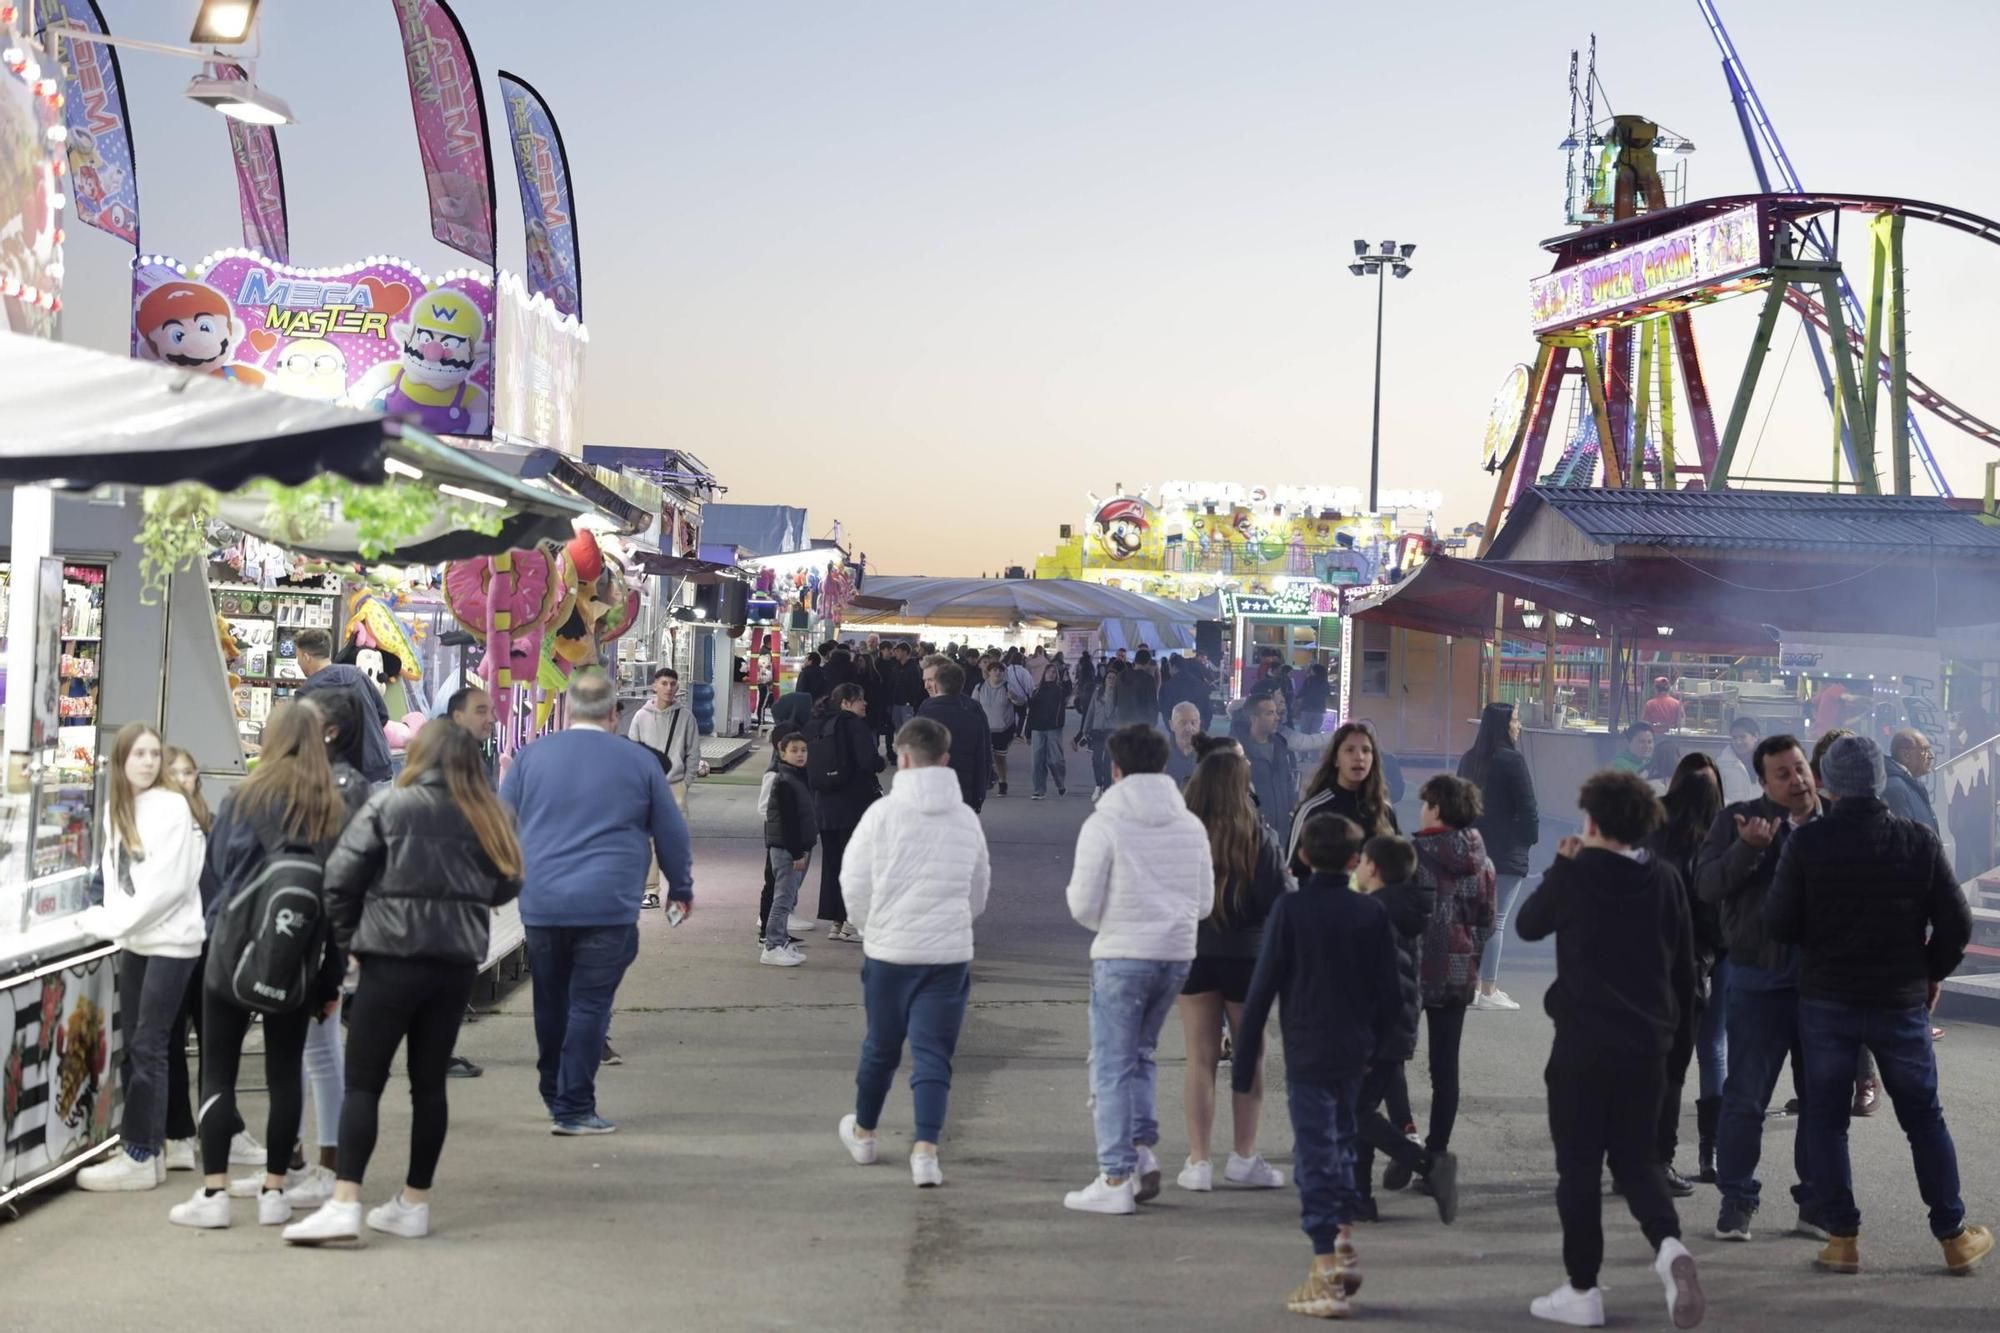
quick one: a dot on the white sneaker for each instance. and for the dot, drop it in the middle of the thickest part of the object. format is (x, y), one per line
(273, 1209)
(1567, 1305)
(180, 1155)
(1197, 1176)
(1675, 1267)
(401, 1218)
(245, 1150)
(860, 1149)
(782, 956)
(1497, 1002)
(924, 1170)
(205, 1210)
(121, 1172)
(1253, 1172)
(1100, 1196)
(333, 1221)
(1503, 999)
(1147, 1174)
(802, 925)
(249, 1187)
(313, 1188)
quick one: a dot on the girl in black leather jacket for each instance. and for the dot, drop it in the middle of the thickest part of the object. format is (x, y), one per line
(410, 893)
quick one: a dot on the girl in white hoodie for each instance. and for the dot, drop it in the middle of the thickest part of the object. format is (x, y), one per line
(152, 909)
(915, 877)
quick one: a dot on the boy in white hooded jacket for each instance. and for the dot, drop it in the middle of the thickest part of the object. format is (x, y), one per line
(915, 878)
(1143, 880)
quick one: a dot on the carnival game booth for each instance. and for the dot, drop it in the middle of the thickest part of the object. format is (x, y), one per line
(1027, 613)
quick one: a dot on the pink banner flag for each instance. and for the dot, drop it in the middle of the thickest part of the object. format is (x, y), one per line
(260, 180)
(451, 126)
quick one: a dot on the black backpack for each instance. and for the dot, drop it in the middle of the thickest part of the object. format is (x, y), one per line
(269, 941)
(826, 758)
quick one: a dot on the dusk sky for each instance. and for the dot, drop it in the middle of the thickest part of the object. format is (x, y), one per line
(936, 269)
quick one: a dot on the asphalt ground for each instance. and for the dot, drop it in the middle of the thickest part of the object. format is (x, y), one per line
(726, 1202)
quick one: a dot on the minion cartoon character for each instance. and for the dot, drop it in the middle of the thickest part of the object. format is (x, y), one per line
(191, 325)
(443, 343)
(1123, 526)
(311, 368)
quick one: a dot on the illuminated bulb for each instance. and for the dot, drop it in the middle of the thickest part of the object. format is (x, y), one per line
(47, 87)
(57, 133)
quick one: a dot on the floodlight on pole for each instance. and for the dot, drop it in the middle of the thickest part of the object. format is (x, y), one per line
(239, 99)
(1391, 259)
(224, 23)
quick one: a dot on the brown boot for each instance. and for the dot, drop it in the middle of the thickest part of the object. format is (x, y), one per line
(1966, 1249)
(1842, 1254)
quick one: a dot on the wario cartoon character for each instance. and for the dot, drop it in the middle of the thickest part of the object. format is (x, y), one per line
(443, 342)
(190, 325)
(311, 368)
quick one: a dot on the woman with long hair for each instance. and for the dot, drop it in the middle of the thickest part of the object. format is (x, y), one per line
(1249, 879)
(1510, 825)
(1693, 800)
(152, 910)
(289, 802)
(410, 893)
(842, 760)
(185, 776)
(1348, 782)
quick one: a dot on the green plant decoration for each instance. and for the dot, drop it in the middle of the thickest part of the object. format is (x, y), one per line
(173, 534)
(384, 516)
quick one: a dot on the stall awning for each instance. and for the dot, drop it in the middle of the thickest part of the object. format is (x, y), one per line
(550, 466)
(77, 418)
(685, 567)
(1042, 603)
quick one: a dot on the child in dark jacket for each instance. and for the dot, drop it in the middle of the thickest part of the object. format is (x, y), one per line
(791, 827)
(1331, 953)
(1624, 972)
(1388, 872)
(1452, 860)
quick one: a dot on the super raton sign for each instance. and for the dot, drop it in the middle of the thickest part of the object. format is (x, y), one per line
(378, 335)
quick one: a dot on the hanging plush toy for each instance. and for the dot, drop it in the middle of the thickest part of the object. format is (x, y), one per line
(371, 624)
(534, 591)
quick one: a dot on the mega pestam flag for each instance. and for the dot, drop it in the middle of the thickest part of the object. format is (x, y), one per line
(451, 126)
(555, 264)
(103, 183)
(260, 180)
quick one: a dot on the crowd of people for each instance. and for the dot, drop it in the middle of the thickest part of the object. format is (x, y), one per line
(1810, 922)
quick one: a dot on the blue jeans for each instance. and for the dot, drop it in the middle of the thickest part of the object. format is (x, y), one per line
(926, 1003)
(1833, 1035)
(576, 971)
(1049, 760)
(1324, 1132)
(1506, 889)
(1711, 1045)
(1100, 758)
(1130, 999)
(1763, 1029)
(785, 880)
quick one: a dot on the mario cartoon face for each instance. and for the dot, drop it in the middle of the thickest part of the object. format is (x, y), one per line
(189, 324)
(311, 368)
(444, 341)
(1122, 527)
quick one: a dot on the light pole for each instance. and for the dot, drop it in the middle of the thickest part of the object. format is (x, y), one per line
(1391, 258)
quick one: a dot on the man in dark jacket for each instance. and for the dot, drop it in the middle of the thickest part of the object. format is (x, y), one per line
(1910, 761)
(1046, 710)
(1388, 870)
(1331, 953)
(314, 648)
(1625, 973)
(1734, 869)
(812, 677)
(1274, 771)
(1880, 921)
(971, 741)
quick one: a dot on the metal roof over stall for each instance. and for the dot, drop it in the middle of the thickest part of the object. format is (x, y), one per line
(754, 529)
(1041, 603)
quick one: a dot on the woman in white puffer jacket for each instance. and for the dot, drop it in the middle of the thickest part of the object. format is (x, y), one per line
(915, 877)
(152, 909)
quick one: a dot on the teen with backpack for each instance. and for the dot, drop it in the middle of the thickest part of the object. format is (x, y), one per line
(269, 952)
(410, 892)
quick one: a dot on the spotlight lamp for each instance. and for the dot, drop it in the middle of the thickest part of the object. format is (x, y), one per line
(224, 23)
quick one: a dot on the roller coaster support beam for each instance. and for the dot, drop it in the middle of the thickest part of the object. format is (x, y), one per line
(1585, 347)
(1547, 375)
(1642, 414)
(1863, 459)
(1888, 229)
(1669, 472)
(1746, 388)
(1700, 411)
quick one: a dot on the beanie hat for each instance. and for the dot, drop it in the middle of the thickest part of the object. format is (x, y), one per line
(1853, 767)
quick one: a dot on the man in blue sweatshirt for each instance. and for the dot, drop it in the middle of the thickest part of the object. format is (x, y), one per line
(313, 649)
(593, 809)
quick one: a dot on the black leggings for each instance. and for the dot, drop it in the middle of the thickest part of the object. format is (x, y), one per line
(1446, 1025)
(419, 998)
(832, 850)
(223, 1027)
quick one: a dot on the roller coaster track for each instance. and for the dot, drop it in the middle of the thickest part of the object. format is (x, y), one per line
(1800, 209)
